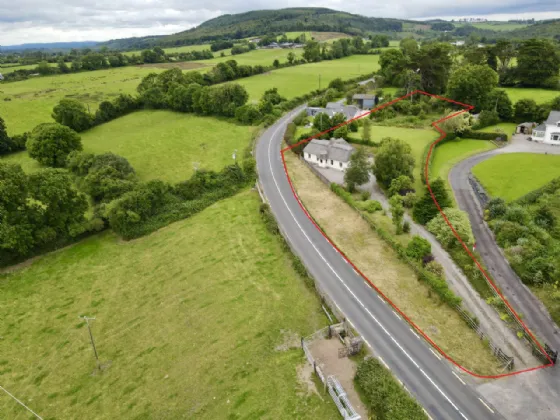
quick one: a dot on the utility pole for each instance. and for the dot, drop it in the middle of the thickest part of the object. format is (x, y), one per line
(87, 319)
(319, 82)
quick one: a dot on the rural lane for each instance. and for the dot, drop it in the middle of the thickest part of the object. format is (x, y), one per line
(519, 296)
(431, 379)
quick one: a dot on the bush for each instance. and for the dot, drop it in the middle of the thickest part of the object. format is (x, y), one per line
(406, 227)
(418, 248)
(371, 206)
(72, 113)
(459, 220)
(487, 118)
(480, 135)
(365, 195)
(384, 397)
(425, 209)
(436, 269)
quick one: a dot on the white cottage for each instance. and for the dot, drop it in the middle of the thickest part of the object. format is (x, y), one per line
(333, 153)
(549, 131)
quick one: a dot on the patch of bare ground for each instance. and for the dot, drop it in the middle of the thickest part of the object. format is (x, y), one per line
(393, 277)
(325, 353)
(305, 378)
(290, 340)
(325, 36)
(184, 65)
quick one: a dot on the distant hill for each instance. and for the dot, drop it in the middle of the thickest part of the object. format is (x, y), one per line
(49, 46)
(262, 22)
(541, 29)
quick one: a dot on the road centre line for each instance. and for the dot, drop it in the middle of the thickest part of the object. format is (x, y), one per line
(348, 288)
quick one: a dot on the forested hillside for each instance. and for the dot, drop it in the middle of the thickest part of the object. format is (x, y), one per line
(544, 29)
(263, 22)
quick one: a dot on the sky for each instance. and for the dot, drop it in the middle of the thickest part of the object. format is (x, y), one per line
(31, 21)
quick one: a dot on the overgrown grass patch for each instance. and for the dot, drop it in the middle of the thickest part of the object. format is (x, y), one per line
(187, 322)
(395, 278)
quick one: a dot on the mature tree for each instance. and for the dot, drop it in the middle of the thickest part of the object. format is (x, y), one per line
(169, 79)
(505, 51)
(393, 159)
(392, 63)
(109, 176)
(401, 186)
(312, 51)
(62, 208)
(51, 143)
(410, 81)
(538, 63)
(72, 113)
(525, 110)
(358, 170)
(63, 67)
(154, 98)
(499, 101)
(425, 209)
(475, 56)
(337, 84)
(434, 64)
(291, 57)
(409, 46)
(460, 222)
(5, 141)
(442, 26)
(341, 132)
(106, 112)
(472, 84)
(322, 122)
(397, 213)
(44, 68)
(16, 231)
(276, 63)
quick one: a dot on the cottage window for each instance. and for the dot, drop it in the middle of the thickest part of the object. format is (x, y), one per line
(309, 155)
(340, 163)
(555, 137)
(332, 163)
(321, 160)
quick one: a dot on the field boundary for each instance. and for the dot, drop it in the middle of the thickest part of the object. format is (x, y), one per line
(443, 134)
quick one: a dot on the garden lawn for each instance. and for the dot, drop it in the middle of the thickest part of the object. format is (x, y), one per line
(417, 138)
(163, 144)
(27, 103)
(511, 176)
(298, 80)
(507, 128)
(449, 154)
(540, 96)
(201, 319)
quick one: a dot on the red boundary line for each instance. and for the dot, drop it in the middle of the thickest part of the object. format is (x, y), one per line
(426, 171)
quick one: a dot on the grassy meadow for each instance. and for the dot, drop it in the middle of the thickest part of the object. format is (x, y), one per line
(162, 144)
(25, 104)
(532, 171)
(295, 81)
(538, 95)
(496, 26)
(263, 57)
(201, 319)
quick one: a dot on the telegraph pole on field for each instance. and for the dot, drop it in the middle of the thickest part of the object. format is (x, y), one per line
(87, 319)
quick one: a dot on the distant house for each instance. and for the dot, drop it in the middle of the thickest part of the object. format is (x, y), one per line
(255, 40)
(458, 43)
(333, 153)
(549, 131)
(332, 108)
(365, 101)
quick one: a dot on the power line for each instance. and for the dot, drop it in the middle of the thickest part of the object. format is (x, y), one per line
(22, 404)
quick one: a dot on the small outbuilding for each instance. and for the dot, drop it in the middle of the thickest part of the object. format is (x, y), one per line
(525, 128)
(365, 101)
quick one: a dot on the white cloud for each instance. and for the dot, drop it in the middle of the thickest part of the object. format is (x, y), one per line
(75, 20)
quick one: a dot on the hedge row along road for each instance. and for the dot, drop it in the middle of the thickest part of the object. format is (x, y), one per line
(431, 379)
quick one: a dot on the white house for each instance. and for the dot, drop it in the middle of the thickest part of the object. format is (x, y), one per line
(549, 131)
(333, 153)
(332, 108)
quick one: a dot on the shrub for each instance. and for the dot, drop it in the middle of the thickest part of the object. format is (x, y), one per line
(371, 206)
(418, 248)
(72, 113)
(460, 222)
(425, 209)
(365, 195)
(487, 118)
(436, 269)
(406, 227)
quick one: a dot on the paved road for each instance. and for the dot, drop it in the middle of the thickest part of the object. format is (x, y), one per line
(433, 381)
(520, 297)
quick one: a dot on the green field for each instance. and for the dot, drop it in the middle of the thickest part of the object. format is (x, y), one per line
(184, 48)
(162, 144)
(7, 70)
(298, 80)
(530, 172)
(538, 95)
(190, 322)
(449, 154)
(263, 57)
(25, 104)
(496, 26)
